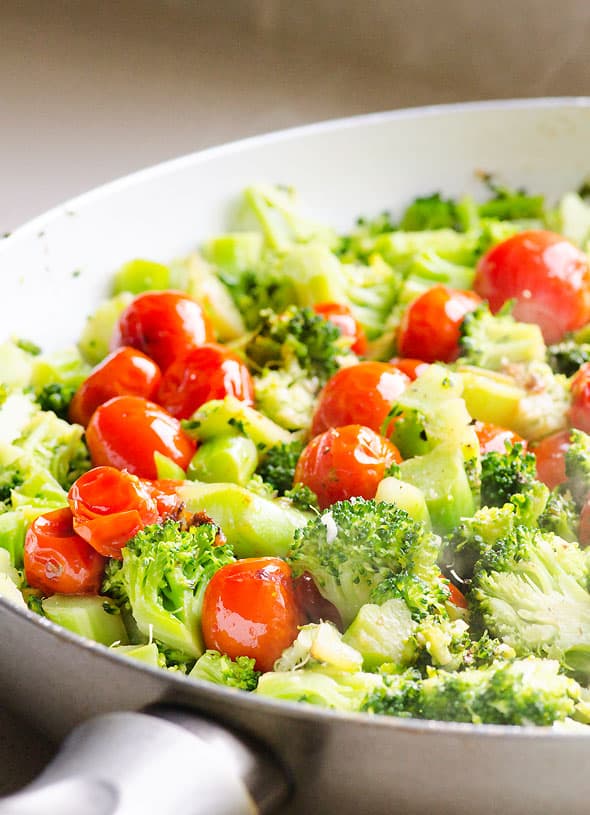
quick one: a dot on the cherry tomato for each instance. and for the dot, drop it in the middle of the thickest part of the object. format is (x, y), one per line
(492, 439)
(344, 462)
(411, 367)
(313, 606)
(342, 317)
(457, 597)
(125, 372)
(249, 609)
(362, 394)
(57, 561)
(126, 431)
(548, 277)
(584, 527)
(550, 455)
(208, 372)
(164, 325)
(109, 508)
(580, 409)
(430, 325)
(164, 493)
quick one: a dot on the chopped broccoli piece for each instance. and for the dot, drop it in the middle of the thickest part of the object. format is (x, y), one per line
(163, 576)
(56, 397)
(255, 291)
(577, 466)
(326, 687)
(513, 205)
(220, 669)
(319, 644)
(278, 465)
(566, 357)
(354, 545)
(422, 597)
(522, 692)
(560, 515)
(429, 212)
(493, 340)
(287, 397)
(383, 634)
(505, 474)
(303, 498)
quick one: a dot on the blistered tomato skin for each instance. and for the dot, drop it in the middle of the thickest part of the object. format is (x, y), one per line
(126, 431)
(57, 560)
(249, 609)
(345, 462)
(109, 507)
(430, 326)
(342, 317)
(547, 276)
(164, 325)
(208, 372)
(580, 408)
(362, 394)
(550, 458)
(124, 372)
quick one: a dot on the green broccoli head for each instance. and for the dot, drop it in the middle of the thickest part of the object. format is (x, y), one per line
(278, 465)
(422, 597)
(530, 590)
(506, 474)
(430, 212)
(354, 545)
(255, 291)
(577, 465)
(522, 692)
(492, 340)
(56, 397)
(566, 357)
(296, 335)
(163, 576)
(220, 669)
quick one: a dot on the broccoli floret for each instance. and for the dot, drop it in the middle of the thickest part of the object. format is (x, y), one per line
(354, 545)
(485, 651)
(512, 205)
(322, 686)
(296, 335)
(530, 590)
(220, 669)
(287, 397)
(560, 515)
(278, 465)
(163, 575)
(493, 340)
(430, 212)
(577, 465)
(505, 474)
(422, 597)
(303, 498)
(255, 291)
(567, 356)
(56, 397)
(523, 692)
(10, 479)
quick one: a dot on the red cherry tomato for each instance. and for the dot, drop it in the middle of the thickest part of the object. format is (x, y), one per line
(550, 456)
(342, 317)
(362, 394)
(344, 462)
(125, 372)
(250, 610)
(164, 492)
(580, 408)
(109, 508)
(208, 372)
(548, 277)
(430, 325)
(313, 606)
(164, 325)
(584, 526)
(126, 431)
(411, 367)
(57, 561)
(457, 597)
(492, 439)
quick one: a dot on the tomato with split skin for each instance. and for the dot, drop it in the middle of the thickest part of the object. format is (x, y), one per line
(250, 609)
(57, 560)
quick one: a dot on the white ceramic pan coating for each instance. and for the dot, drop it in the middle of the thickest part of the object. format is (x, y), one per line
(313, 760)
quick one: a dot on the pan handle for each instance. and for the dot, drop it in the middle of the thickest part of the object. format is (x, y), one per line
(164, 760)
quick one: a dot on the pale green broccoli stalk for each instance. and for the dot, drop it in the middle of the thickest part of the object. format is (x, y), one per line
(567, 356)
(287, 397)
(493, 341)
(322, 686)
(506, 474)
(319, 644)
(522, 692)
(354, 545)
(530, 590)
(220, 669)
(163, 577)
